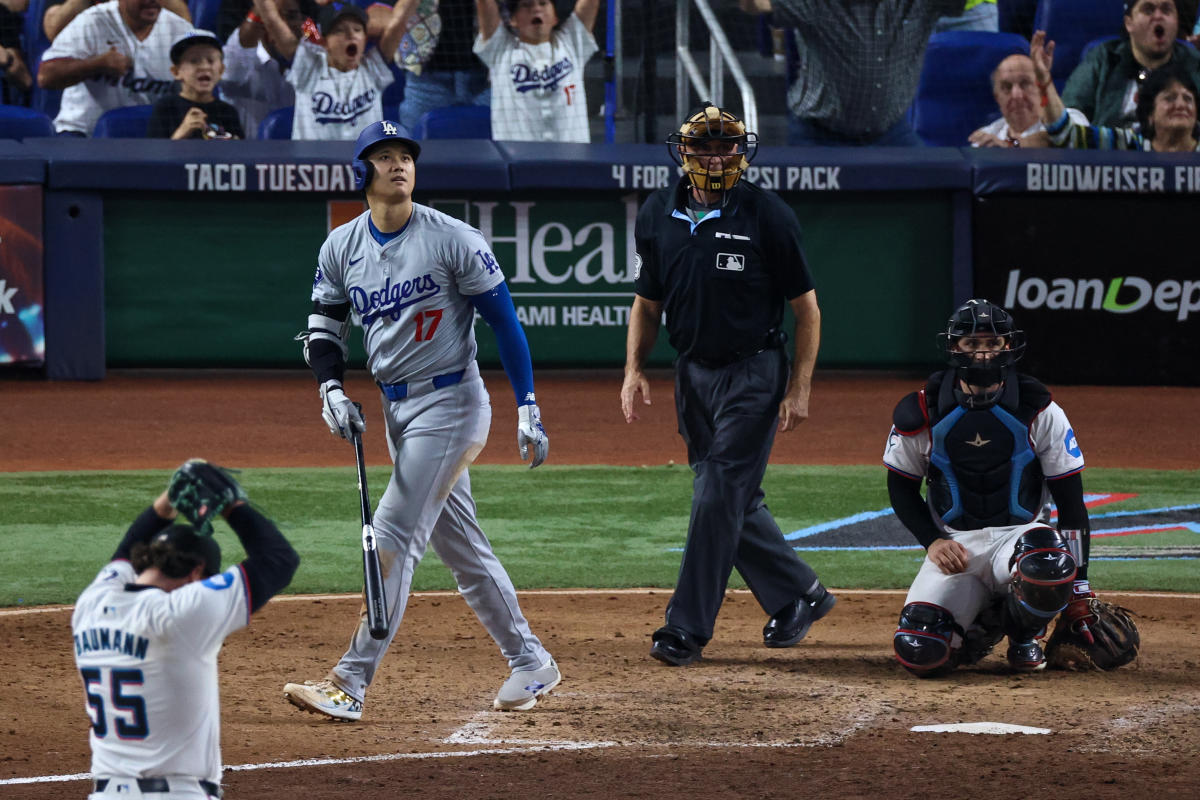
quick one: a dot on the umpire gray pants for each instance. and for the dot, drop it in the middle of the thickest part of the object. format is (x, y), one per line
(728, 417)
(432, 438)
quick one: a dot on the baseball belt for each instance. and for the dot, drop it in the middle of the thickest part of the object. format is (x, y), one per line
(399, 391)
(773, 340)
(155, 785)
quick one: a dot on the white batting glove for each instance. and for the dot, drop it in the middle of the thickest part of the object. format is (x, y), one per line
(340, 414)
(531, 432)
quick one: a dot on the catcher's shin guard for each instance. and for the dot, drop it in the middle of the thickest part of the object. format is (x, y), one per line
(924, 640)
(1043, 573)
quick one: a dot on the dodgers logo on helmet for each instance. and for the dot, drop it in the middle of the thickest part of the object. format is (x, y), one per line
(373, 134)
(389, 129)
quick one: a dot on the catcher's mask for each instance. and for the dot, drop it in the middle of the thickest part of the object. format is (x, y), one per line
(711, 132)
(372, 135)
(176, 550)
(981, 367)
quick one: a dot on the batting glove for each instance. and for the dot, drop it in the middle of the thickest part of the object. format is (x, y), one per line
(531, 432)
(340, 414)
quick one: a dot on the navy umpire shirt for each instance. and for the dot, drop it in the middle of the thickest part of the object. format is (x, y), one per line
(722, 281)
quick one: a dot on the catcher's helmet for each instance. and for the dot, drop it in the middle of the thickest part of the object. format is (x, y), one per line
(712, 124)
(986, 367)
(373, 134)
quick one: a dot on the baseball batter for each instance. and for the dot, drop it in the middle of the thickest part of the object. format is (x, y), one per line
(993, 449)
(412, 278)
(147, 632)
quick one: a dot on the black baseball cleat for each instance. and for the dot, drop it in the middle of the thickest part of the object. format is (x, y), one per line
(791, 623)
(674, 647)
(1026, 656)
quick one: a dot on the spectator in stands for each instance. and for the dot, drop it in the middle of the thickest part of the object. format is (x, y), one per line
(340, 84)
(1014, 85)
(978, 15)
(15, 79)
(449, 73)
(254, 69)
(1105, 84)
(112, 55)
(536, 66)
(59, 12)
(860, 62)
(1166, 111)
(195, 112)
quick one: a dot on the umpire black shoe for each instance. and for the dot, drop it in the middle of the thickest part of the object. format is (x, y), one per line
(791, 623)
(675, 647)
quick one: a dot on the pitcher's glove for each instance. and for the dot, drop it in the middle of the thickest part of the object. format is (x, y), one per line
(200, 491)
(1114, 640)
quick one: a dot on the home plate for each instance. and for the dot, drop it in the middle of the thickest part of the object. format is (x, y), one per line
(978, 727)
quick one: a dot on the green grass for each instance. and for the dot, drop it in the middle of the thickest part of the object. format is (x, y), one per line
(552, 527)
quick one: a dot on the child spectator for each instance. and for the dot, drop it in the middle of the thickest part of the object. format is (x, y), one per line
(537, 69)
(338, 85)
(195, 113)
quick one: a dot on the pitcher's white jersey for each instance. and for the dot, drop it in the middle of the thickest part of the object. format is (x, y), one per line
(148, 660)
(410, 295)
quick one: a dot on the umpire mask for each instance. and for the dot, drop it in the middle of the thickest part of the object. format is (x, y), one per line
(714, 148)
(981, 342)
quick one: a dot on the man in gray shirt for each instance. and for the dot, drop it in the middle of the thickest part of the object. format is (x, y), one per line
(860, 61)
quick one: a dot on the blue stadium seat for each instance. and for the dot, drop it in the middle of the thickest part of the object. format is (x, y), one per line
(205, 14)
(455, 122)
(954, 96)
(1071, 24)
(18, 122)
(277, 124)
(34, 36)
(123, 123)
(1016, 16)
(394, 94)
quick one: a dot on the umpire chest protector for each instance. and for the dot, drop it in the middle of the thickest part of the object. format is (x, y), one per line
(983, 471)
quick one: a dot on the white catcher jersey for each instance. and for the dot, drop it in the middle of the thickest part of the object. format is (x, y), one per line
(1050, 436)
(410, 295)
(98, 30)
(331, 104)
(148, 661)
(537, 89)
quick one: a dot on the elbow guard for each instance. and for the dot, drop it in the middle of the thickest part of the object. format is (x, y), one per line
(325, 347)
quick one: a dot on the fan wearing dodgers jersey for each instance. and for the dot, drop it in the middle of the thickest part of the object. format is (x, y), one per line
(147, 632)
(412, 278)
(340, 84)
(537, 69)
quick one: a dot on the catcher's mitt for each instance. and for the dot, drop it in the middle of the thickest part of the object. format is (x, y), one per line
(1116, 640)
(200, 491)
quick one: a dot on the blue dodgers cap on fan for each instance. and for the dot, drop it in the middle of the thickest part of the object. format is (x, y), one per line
(192, 37)
(331, 13)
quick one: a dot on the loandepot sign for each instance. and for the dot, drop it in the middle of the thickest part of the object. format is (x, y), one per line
(1123, 295)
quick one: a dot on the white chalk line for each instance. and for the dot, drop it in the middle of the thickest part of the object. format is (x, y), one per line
(293, 598)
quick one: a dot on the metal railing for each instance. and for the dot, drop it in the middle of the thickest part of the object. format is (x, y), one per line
(720, 57)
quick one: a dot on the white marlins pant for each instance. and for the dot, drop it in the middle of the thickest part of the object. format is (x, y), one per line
(433, 435)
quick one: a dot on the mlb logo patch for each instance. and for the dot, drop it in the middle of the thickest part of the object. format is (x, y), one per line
(731, 262)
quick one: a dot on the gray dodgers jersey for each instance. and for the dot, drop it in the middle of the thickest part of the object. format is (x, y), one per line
(410, 295)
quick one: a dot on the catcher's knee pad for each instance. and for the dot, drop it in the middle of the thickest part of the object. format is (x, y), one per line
(924, 640)
(1043, 571)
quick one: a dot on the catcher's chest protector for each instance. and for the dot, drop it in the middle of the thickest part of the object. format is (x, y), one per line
(983, 471)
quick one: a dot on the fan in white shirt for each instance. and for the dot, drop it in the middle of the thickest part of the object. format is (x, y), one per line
(1017, 94)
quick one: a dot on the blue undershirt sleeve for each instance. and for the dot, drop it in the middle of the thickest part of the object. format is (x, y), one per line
(496, 308)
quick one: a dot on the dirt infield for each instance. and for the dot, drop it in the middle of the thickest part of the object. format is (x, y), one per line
(829, 718)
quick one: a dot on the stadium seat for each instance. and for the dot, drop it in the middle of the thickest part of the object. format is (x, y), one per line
(954, 96)
(34, 37)
(394, 94)
(277, 124)
(455, 122)
(205, 14)
(18, 122)
(123, 123)
(1071, 24)
(1016, 16)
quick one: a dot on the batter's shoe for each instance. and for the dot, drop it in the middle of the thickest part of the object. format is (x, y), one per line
(1026, 656)
(523, 688)
(791, 623)
(674, 647)
(323, 697)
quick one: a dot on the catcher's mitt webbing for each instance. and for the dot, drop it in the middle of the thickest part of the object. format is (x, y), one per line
(200, 491)
(1117, 641)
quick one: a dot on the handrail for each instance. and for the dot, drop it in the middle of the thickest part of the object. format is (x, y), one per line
(720, 55)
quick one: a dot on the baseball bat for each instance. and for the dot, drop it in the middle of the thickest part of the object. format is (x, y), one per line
(377, 617)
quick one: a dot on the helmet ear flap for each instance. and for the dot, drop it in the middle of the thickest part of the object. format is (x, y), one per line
(363, 172)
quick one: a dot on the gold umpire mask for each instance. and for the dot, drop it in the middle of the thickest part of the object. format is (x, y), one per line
(713, 132)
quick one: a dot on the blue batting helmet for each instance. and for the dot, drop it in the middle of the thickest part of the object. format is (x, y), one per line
(373, 134)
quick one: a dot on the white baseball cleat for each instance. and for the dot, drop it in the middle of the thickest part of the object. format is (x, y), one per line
(323, 697)
(523, 688)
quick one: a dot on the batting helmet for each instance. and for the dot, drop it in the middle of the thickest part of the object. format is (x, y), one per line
(987, 367)
(176, 550)
(372, 135)
(713, 125)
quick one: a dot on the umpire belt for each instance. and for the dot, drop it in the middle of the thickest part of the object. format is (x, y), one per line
(153, 785)
(772, 341)
(399, 391)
